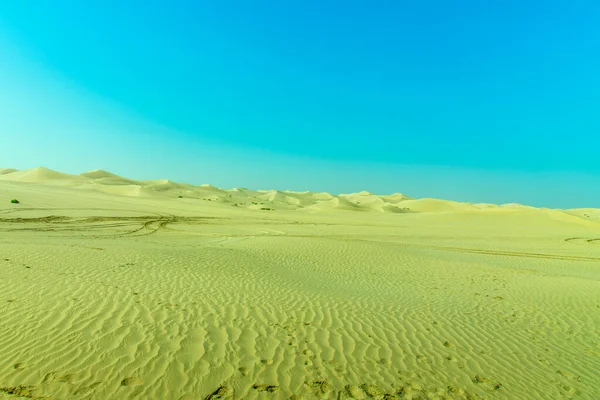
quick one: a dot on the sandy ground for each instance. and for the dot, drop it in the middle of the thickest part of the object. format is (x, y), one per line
(118, 289)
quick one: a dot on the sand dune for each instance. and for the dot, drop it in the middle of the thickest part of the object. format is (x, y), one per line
(587, 213)
(4, 171)
(106, 182)
(120, 187)
(437, 206)
(100, 174)
(321, 196)
(396, 198)
(121, 289)
(40, 174)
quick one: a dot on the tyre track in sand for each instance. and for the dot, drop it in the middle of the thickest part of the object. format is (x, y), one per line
(140, 225)
(583, 241)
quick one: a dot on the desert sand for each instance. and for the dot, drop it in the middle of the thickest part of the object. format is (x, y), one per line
(113, 288)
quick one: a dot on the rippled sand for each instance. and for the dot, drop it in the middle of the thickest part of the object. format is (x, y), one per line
(113, 297)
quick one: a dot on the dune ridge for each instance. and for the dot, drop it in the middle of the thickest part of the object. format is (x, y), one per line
(4, 171)
(364, 201)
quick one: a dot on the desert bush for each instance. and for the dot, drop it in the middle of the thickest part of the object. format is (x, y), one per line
(14, 201)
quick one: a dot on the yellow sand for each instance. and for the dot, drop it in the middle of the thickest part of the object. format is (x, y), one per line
(118, 289)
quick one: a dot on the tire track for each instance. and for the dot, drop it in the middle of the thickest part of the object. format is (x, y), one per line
(518, 254)
(583, 241)
(141, 225)
(462, 249)
(145, 225)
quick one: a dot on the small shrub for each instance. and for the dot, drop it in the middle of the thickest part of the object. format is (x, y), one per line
(14, 201)
(181, 197)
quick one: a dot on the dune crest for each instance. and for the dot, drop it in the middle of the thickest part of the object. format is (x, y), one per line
(99, 173)
(364, 201)
(39, 175)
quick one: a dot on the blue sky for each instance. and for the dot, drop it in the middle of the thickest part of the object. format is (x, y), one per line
(495, 101)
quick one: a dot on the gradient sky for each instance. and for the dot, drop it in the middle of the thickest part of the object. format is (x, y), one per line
(482, 101)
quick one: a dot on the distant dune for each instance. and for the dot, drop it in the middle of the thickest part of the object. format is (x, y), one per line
(99, 174)
(40, 175)
(319, 202)
(4, 171)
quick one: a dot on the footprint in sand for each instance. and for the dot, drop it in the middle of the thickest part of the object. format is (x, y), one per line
(569, 375)
(87, 389)
(266, 388)
(489, 382)
(423, 359)
(321, 386)
(566, 390)
(68, 378)
(372, 390)
(367, 391)
(338, 369)
(308, 353)
(131, 381)
(222, 392)
(50, 377)
(355, 392)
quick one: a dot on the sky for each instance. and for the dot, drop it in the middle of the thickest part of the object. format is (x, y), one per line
(495, 101)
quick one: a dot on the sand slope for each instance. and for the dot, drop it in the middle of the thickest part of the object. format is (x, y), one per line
(40, 174)
(103, 181)
(100, 174)
(151, 296)
(4, 171)
(266, 200)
